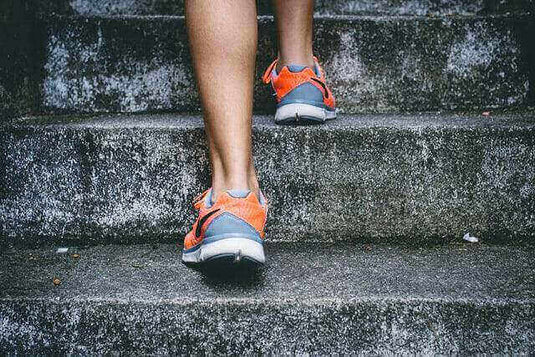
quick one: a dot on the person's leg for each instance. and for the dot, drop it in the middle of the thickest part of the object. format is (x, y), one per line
(294, 32)
(223, 40)
(298, 81)
(232, 215)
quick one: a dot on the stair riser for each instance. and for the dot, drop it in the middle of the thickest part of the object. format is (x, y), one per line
(21, 61)
(408, 184)
(372, 64)
(324, 7)
(340, 327)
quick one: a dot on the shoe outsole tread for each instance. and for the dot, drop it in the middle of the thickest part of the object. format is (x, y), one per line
(302, 120)
(226, 261)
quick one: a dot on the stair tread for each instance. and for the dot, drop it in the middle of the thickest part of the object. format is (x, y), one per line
(473, 273)
(522, 119)
(323, 17)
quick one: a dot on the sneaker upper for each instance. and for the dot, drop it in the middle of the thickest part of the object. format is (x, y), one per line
(299, 84)
(235, 213)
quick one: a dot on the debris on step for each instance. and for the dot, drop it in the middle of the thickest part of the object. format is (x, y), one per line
(56, 281)
(75, 256)
(62, 250)
(486, 114)
(469, 238)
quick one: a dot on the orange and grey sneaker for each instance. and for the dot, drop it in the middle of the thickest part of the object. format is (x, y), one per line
(302, 95)
(228, 231)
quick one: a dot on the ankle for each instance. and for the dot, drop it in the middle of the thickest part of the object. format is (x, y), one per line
(222, 186)
(250, 184)
(307, 61)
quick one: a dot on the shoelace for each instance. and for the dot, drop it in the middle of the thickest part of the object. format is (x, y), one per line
(199, 199)
(266, 77)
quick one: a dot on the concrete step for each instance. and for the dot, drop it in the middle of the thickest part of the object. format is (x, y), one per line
(323, 7)
(311, 298)
(394, 178)
(374, 64)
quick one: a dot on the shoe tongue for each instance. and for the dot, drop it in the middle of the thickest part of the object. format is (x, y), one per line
(208, 201)
(317, 70)
(295, 68)
(239, 193)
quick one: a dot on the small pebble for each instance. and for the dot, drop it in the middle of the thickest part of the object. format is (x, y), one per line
(467, 237)
(486, 114)
(75, 256)
(56, 281)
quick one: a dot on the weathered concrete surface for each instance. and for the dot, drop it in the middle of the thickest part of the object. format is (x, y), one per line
(321, 299)
(407, 179)
(21, 58)
(374, 64)
(422, 7)
(323, 7)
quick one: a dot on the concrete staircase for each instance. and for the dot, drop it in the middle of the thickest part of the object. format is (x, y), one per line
(101, 151)
(311, 298)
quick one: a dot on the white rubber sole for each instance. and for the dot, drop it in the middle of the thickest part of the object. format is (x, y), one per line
(296, 112)
(236, 248)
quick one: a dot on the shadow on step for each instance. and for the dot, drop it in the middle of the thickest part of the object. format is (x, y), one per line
(230, 276)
